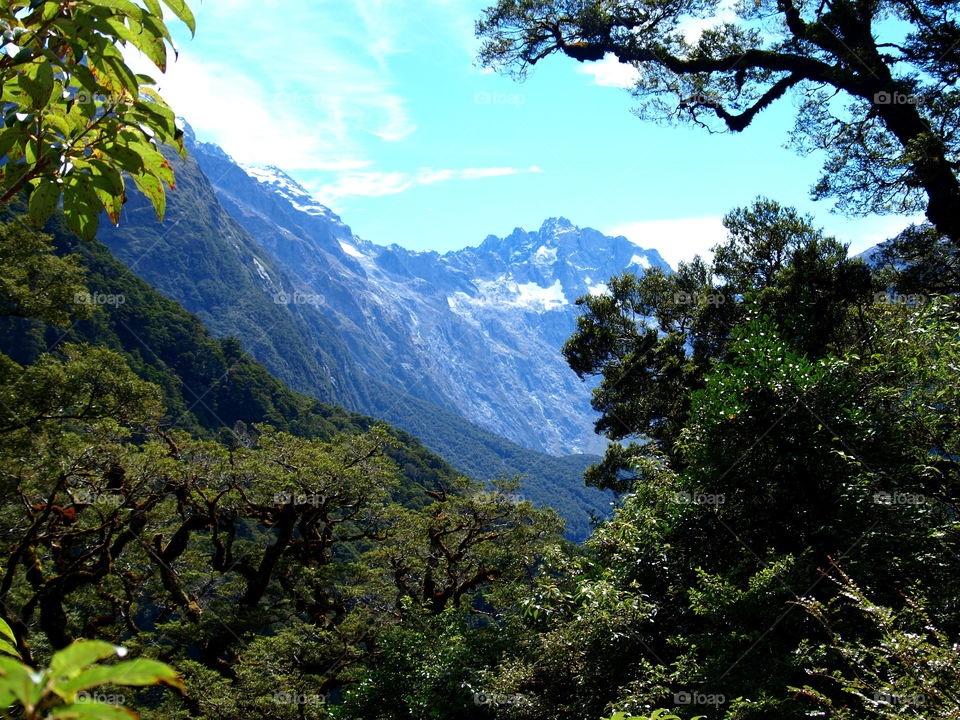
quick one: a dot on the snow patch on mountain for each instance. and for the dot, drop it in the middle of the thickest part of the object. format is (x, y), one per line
(503, 292)
(261, 270)
(545, 255)
(351, 250)
(288, 188)
(531, 295)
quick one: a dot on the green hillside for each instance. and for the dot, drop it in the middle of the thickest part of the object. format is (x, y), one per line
(210, 386)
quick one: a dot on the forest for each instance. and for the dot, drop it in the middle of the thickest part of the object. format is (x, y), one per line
(784, 420)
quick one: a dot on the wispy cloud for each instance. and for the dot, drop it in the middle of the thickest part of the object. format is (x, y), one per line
(377, 184)
(299, 85)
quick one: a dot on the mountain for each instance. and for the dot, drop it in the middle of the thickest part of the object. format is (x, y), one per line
(206, 260)
(871, 256)
(476, 331)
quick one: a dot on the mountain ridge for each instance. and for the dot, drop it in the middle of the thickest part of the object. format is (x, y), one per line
(477, 331)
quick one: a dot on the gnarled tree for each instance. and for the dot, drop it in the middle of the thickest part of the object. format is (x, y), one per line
(891, 147)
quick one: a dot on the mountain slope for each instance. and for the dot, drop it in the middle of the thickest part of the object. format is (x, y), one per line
(203, 259)
(210, 387)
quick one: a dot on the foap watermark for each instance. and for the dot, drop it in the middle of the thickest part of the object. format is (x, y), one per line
(493, 699)
(298, 99)
(882, 497)
(100, 697)
(499, 496)
(883, 698)
(497, 98)
(287, 697)
(91, 497)
(888, 298)
(99, 298)
(685, 298)
(288, 498)
(687, 498)
(86, 98)
(685, 697)
(895, 98)
(297, 298)
(701, 99)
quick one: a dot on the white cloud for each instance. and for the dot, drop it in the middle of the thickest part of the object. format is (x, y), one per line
(376, 184)
(692, 28)
(683, 238)
(864, 233)
(610, 72)
(676, 240)
(365, 184)
(428, 176)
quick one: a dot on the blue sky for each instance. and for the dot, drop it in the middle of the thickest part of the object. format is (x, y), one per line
(378, 108)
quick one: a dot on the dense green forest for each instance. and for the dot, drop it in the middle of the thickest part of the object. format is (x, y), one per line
(185, 537)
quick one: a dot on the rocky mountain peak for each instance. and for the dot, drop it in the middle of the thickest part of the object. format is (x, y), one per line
(478, 331)
(556, 226)
(287, 187)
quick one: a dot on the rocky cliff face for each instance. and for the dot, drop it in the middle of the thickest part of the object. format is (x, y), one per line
(477, 331)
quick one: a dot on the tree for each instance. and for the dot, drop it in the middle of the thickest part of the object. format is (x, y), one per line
(917, 262)
(464, 541)
(893, 147)
(76, 117)
(36, 282)
(652, 339)
(695, 585)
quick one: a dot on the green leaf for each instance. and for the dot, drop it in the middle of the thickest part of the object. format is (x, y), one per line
(22, 681)
(50, 9)
(106, 177)
(145, 40)
(123, 73)
(125, 7)
(180, 9)
(92, 710)
(81, 209)
(134, 672)
(80, 654)
(155, 26)
(7, 632)
(109, 188)
(37, 80)
(10, 137)
(151, 186)
(43, 201)
(154, 162)
(8, 648)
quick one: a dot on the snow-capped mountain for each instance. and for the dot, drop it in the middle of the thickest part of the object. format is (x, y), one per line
(477, 331)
